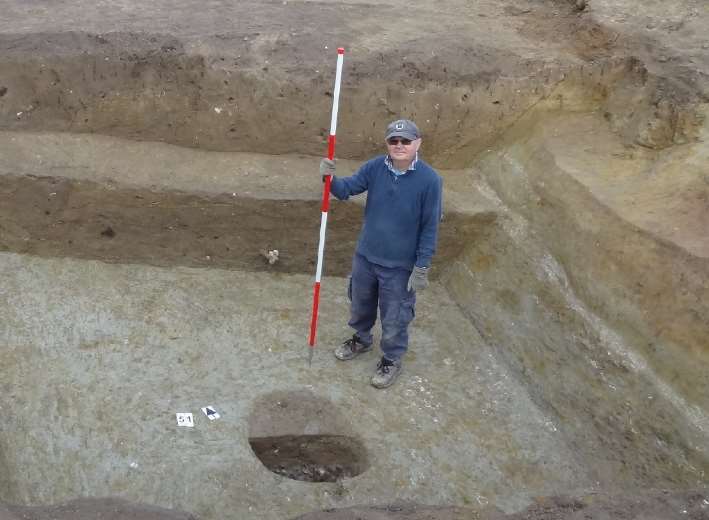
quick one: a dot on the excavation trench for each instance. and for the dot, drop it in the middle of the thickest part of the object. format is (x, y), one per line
(561, 347)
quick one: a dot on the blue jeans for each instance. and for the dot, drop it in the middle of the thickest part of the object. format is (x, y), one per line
(373, 286)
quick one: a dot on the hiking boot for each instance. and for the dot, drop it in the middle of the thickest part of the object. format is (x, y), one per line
(386, 374)
(351, 348)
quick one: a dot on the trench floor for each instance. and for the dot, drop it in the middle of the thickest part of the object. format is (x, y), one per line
(98, 358)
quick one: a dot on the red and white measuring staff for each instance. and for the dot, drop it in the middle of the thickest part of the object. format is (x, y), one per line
(326, 199)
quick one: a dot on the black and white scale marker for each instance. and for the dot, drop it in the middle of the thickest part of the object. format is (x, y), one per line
(210, 412)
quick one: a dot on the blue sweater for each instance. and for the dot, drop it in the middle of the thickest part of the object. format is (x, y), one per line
(401, 215)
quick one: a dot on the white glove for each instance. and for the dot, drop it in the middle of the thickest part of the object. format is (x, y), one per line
(418, 280)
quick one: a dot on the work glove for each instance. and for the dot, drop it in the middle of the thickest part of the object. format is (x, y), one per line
(418, 280)
(327, 167)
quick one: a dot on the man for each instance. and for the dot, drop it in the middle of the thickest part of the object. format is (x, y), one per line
(395, 246)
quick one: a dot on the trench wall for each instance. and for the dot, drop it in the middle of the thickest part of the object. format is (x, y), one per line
(626, 431)
(652, 291)
(604, 321)
(149, 87)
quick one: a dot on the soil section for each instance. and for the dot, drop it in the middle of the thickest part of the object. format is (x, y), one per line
(53, 217)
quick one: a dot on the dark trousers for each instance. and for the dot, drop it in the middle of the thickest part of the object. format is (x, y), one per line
(373, 286)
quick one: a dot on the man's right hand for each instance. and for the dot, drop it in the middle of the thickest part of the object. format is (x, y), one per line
(327, 167)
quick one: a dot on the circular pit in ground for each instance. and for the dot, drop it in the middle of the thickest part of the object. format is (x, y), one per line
(303, 437)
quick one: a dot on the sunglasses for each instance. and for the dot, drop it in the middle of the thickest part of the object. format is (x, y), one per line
(394, 141)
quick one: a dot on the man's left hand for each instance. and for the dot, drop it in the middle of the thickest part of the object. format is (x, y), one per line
(418, 280)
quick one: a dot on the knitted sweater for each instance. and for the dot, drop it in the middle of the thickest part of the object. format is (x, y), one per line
(402, 213)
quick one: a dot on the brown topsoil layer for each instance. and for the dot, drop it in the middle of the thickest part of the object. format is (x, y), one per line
(55, 217)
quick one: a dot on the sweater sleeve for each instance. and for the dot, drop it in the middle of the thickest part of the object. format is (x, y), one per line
(430, 219)
(344, 187)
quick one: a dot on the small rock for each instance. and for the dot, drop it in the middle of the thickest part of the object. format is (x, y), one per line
(270, 256)
(108, 232)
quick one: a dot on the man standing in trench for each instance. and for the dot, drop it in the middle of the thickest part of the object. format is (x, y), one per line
(395, 246)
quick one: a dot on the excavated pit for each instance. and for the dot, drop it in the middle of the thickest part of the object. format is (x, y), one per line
(302, 437)
(561, 349)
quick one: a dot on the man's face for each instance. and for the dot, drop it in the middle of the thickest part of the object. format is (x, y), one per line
(402, 150)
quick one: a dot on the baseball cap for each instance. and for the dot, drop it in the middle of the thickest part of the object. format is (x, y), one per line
(402, 128)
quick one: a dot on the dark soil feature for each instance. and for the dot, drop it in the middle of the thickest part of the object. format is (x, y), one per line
(93, 509)
(634, 505)
(58, 217)
(644, 505)
(312, 458)
(53, 217)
